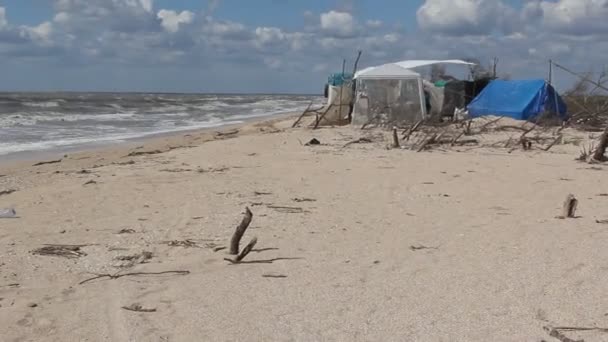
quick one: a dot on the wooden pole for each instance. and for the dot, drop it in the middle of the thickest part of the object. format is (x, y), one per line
(342, 88)
(352, 99)
(239, 232)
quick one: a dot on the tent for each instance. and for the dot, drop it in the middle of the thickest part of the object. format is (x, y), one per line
(388, 94)
(521, 99)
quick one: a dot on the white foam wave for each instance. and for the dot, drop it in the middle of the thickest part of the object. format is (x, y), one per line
(43, 104)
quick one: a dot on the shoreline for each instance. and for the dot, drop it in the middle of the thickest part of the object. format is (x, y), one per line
(16, 159)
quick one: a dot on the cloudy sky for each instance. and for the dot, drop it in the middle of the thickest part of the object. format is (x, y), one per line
(281, 45)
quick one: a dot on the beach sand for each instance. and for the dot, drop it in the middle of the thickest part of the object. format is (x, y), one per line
(341, 235)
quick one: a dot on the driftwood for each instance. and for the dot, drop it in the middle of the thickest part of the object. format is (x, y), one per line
(143, 153)
(138, 308)
(598, 155)
(306, 111)
(553, 143)
(274, 276)
(225, 134)
(287, 210)
(413, 129)
(395, 138)
(358, 141)
(320, 118)
(240, 231)
(569, 209)
(7, 192)
(557, 332)
(66, 251)
(428, 141)
(245, 251)
(117, 275)
(48, 162)
(421, 247)
(183, 243)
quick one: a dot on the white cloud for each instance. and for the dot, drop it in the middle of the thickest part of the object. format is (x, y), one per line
(146, 4)
(171, 20)
(41, 33)
(338, 24)
(61, 17)
(226, 29)
(575, 16)
(3, 21)
(268, 35)
(374, 23)
(465, 17)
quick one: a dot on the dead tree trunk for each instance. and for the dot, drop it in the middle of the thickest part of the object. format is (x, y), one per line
(239, 232)
(601, 148)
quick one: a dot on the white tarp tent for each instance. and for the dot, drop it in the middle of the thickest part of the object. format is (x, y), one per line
(392, 93)
(388, 94)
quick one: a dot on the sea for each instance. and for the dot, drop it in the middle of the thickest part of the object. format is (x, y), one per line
(47, 121)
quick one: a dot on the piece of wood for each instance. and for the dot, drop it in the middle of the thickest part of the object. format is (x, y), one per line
(413, 129)
(66, 251)
(240, 231)
(295, 124)
(7, 192)
(556, 333)
(427, 142)
(48, 162)
(358, 141)
(117, 275)
(395, 138)
(138, 308)
(570, 206)
(456, 138)
(598, 155)
(244, 253)
(320, 118)
(553, 143)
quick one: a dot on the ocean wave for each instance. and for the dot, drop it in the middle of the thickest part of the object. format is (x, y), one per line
(43, 104)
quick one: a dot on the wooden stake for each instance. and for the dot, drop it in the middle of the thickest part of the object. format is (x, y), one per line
(570, 205)
(301, 116)
(239, 232)
(395, 138)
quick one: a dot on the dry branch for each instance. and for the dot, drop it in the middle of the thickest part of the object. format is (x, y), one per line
(413, 129)
(240, 231)
(66, 251)
(116, 276)
(138, 308)
(358, 141)
(245, 251)
(557, 139)
(48, 162)
(295, 124)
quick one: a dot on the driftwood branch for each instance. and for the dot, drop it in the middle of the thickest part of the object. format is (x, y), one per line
(240, 231)
(48, 162)
(245, 251)
(116, 276)
(302, 115)
(413, 129)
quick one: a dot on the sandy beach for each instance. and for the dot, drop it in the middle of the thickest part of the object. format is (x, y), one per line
(355, 243)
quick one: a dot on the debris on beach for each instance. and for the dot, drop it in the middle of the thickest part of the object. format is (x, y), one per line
(312, 142)
(8, 213)
(569, 208)
(48, 162)
(7, 192)
(65, 251)
(138, 308)
(127, 261)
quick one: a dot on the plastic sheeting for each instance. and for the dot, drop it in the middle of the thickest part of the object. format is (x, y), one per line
(390, 70)
(522, 100)
(386, 101)
(420, 63)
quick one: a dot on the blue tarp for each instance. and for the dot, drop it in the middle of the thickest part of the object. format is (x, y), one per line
(338, 79)
(522, 100)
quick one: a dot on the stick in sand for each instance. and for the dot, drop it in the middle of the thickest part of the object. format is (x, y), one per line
(240, 231)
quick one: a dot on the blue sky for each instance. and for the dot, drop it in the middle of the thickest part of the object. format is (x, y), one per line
(281, 45)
